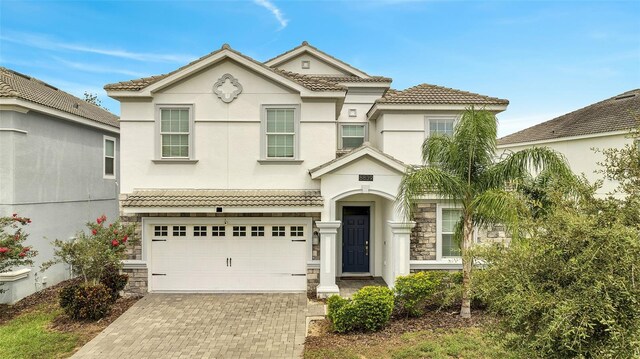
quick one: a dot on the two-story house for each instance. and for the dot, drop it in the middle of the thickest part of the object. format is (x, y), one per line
(59, 166)
(279, 175)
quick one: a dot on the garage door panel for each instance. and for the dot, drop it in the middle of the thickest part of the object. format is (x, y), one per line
(229, 262)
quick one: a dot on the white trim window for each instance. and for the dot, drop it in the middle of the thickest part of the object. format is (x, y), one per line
(280, 132)
(450, 248)
(352, 135)
(175, 132)
(109, 157)
(440, 125)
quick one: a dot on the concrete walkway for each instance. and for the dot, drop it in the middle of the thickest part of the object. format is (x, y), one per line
(205, 326)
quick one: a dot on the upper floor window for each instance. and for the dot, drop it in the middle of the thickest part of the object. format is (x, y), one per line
(176, 140)
(441, 126)
(280, 125)
(450, 217)
(352, 135)
(109, 163)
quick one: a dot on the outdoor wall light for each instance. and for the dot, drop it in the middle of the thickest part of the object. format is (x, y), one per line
(316, 238)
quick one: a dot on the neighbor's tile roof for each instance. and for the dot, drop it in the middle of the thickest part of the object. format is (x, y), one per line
(309, 82)
(224, 198)
(614, 114)
(16, 85)
(432, 94)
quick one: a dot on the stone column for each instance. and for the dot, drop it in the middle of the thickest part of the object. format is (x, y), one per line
(328, 231)
(400, 248)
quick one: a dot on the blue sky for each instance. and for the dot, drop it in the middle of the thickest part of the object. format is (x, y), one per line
(548, 58)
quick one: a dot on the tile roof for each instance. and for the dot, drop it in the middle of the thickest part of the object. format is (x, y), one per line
(340, 79)
(223, 198)
(16, 85)
(303, 44)
(365, 145)
(310, 83)
(432, 94)
(614, 114)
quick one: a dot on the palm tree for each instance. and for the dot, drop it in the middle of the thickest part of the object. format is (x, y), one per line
(464, 168)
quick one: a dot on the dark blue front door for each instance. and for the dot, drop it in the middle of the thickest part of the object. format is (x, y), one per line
(355, 239)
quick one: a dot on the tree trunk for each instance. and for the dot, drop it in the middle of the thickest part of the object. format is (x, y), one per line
(467, 265)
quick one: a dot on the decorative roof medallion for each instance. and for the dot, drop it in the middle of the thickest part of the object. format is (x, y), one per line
(227, 88)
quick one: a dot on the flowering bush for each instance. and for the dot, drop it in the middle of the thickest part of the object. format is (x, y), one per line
(13, 252)
(90, 255)
(86, 301)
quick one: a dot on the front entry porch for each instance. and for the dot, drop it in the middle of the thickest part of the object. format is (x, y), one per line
(349, 285)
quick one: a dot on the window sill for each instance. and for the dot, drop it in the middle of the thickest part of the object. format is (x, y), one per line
(279, 162)
(175, 161)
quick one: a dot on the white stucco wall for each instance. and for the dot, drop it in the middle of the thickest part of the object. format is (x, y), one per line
(317, 66)
(227, 136)
(580, 155)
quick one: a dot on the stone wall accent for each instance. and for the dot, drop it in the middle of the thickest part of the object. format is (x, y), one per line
(315, 248)
(138, 277)
(494, 234)
(423, 235)
(138, 281)
(313, 280)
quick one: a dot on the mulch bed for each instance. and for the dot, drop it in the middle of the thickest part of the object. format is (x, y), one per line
(397, 326)
(48, 298)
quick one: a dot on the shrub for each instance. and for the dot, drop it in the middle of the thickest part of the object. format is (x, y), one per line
(369, 310)
(13, 253)
(414, 291)
(86, 301)
(571, 290)
(114, 281)
(90, 255)
(334, 303)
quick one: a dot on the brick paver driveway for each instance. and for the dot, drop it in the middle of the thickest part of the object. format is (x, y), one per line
(205, 326)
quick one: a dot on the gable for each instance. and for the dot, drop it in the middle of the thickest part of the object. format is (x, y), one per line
(317, 66)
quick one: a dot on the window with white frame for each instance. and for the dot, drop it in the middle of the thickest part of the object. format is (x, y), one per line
(441, 126)
(352, 135)
(199, 231)
(280, 137)
(239, 231)
(450, 217)
(217, 231)
(277, 231)
(297, 231)
(175, 132)
(179, 231)
(257, 231)
(109, 157)
(160, 231)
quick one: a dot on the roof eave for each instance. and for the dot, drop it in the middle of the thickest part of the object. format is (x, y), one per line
(356, 154)
(378, 108)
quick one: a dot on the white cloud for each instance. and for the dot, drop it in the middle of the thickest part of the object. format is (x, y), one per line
(275, 11)
(98, 68)
(47, 43)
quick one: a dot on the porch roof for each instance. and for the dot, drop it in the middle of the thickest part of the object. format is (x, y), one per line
(355, 154)
(223, 198)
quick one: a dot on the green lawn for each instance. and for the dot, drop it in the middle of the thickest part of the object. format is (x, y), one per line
(439, 344)
(28, 336)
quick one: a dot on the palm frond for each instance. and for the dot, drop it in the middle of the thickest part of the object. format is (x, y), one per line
(436, 149)
(518, 166)
(475, 135)
(420, 181)
(497, 206)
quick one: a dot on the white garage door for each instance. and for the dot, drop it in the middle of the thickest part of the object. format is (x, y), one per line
(228, 257)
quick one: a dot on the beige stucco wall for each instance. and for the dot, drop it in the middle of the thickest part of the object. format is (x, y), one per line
(318, 66)
(580, 155)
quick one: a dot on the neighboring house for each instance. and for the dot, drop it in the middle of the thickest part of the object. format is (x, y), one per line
(279, 175)
(602, 125)
(58, 166)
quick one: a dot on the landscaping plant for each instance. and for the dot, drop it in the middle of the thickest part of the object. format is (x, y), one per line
(414, 291)
(95, 257)
(571, 288)
(13, 252)
(369, 310)
(462, 168)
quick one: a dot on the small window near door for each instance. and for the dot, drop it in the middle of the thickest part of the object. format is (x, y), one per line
(352, 136)
(450, 217)
(239, 231)
(160, 231)
(278, 231)
(179, 231)
(257, 231)
(297, 231)
(109, 157)
(217, 231)
(199, 231)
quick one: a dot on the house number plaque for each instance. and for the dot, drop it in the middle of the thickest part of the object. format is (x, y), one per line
(367, 178)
